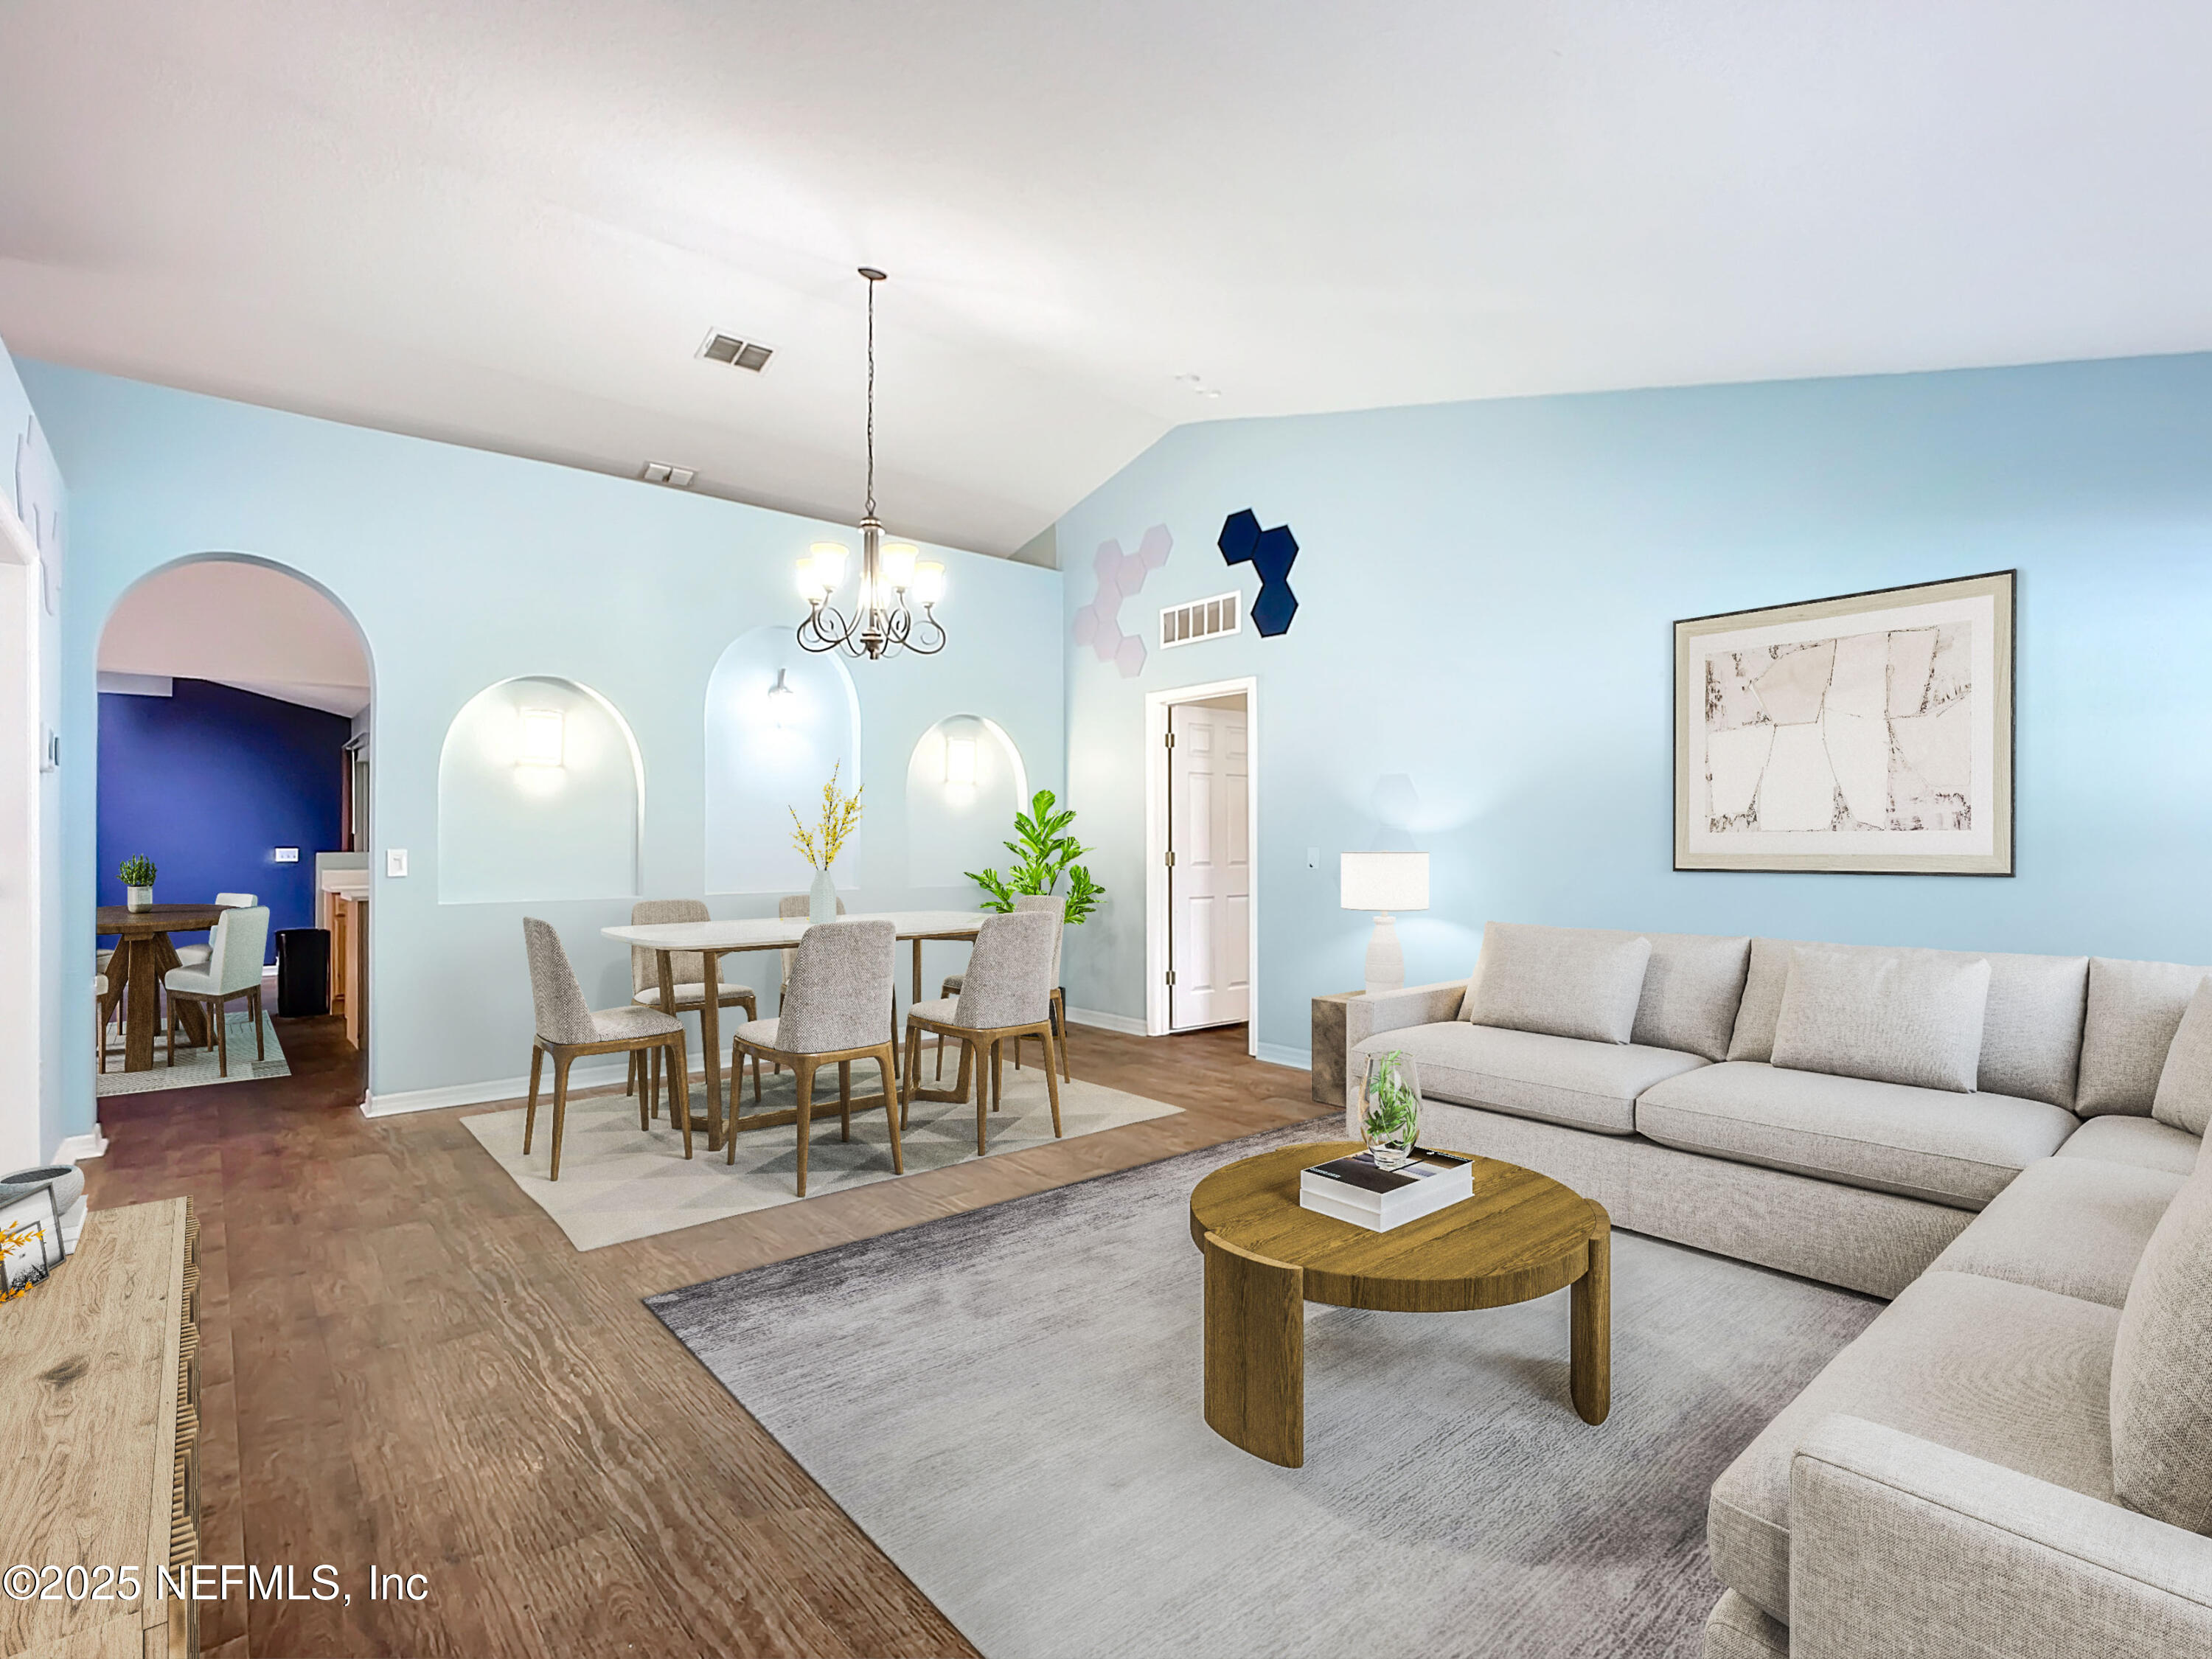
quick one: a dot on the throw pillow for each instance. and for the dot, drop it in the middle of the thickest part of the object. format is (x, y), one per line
(1911, 1018)
(2184, 1100)
(1559, 981)
(2162, 1369)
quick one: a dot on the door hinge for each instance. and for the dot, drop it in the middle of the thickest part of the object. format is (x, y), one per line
(1171, 976)
(1171, 858)
(1171, 739)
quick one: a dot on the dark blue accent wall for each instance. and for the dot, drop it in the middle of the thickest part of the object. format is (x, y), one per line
(208, 783)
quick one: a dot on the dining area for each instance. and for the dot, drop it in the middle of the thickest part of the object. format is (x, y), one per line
(152, 996)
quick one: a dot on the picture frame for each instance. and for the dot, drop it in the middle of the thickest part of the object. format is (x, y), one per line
(45, 1251)
(1869, 733)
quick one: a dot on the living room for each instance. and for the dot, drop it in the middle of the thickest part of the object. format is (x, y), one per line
(1609, 610)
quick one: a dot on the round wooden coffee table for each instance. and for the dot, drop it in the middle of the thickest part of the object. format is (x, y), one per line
(1521, 1236)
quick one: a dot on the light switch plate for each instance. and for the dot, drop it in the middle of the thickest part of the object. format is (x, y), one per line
(287, 855)
(395, 860)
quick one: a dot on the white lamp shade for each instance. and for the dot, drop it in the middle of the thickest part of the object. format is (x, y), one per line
(1384, 881)
(541, 742)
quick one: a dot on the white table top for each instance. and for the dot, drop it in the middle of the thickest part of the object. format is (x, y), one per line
(767, 932)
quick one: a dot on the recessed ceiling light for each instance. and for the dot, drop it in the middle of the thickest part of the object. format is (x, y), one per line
(737, 351)
(675, 477)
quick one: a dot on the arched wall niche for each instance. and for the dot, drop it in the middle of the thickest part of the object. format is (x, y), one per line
(964, 782)
(779, 718)
(541, 796)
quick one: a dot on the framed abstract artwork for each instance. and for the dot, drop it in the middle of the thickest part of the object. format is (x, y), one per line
(1872, 731)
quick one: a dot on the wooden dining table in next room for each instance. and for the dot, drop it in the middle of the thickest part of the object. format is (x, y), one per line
(716, 938)
(142, 954)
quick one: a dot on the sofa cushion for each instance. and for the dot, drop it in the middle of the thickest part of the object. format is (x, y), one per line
(2183, 1099)
(2141, 1141)
(2162, 1369)
(2031, 1031)
(1960, 1149)
(1586, 1085)
(1692, 987)
(2134, 1010)
(2002, 1371)
(2076, 1225)
(1564, 981)
(1897, 1017)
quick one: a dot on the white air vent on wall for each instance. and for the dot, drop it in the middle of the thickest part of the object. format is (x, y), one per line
(739, 353)
(1201, 619)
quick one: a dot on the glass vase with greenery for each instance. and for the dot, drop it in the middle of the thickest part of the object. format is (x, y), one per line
(840, 816)
(1044, 852)
(1390, 1108)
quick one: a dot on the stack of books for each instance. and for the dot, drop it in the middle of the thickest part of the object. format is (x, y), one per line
(1359, 1190)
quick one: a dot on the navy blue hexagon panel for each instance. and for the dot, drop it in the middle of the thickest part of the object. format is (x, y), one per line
(1270, 553)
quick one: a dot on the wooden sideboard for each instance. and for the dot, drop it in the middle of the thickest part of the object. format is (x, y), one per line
(100, 1388)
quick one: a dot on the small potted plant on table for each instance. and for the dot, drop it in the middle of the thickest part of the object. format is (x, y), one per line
(138, 883)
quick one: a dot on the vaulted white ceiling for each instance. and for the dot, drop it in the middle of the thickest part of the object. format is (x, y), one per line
(512, 222)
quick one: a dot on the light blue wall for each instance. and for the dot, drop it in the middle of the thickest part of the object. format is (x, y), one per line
(1485, 593)
(463, 568)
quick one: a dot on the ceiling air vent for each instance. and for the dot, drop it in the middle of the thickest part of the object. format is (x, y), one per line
(675, 477)
(739, 353)
(1201, 619)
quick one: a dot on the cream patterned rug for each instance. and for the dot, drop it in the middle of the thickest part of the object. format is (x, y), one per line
(619, 1182)
(194, 1067)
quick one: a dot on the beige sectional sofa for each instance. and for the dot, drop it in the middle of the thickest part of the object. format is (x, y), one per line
(2015, 1457)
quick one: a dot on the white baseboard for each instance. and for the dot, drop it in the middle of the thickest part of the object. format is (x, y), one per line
(1278, 1054)
(1106, 1021)
(75, 1149)
(596, 1076)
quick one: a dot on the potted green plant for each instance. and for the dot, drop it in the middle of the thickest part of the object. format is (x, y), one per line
(138, 883)
(840, 814)
(1044, 852)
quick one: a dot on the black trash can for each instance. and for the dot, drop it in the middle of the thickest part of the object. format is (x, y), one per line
(303, 971)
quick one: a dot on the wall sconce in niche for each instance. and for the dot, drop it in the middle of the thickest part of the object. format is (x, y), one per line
(960, 762)
(782, 698)
(542, 738)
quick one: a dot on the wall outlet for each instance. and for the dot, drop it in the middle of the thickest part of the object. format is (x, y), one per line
(395, 860)
(1313, 858)
(286, 855)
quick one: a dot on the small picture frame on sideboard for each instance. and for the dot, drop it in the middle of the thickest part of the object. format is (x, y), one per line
(34, 1232)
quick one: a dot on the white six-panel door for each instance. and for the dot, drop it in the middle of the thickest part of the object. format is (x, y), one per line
(1209, 871)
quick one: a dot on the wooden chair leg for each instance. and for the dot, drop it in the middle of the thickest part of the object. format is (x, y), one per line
(1051, 1077)
(648, 1064)
(845, 1099)
(940, 1054)
(804, 1071)
(1060, 1032)
(629, 1076)
(560, 1107)
(530, 1112)
(884, 1062)
(906, 1083)
(679, 1070)
(172, 1032)
(756, 1100)
(219, 1013)
(998, 1075)
(983, 1098)
(259, 1052)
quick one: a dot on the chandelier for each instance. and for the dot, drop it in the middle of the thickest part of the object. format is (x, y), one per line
(893, 577)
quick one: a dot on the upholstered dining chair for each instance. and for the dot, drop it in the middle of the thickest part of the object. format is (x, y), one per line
(689, 969)
(196, 956)
(1005, 996)
(240, 943)
(835, 1008)
(568, 1027)
(1055, 905)
(100, 1018)
(792, 907)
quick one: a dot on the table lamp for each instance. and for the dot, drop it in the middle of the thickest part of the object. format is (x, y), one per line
(1384, 882)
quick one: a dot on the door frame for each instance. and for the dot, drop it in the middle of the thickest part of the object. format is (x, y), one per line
(1157, 704)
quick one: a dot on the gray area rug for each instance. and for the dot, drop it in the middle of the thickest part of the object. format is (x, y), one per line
(194, 1067)
(1008, 1402)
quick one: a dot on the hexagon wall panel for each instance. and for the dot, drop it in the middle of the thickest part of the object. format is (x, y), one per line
(1270, 553)
(1098, 624)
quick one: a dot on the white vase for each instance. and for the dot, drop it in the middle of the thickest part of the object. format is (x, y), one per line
(138, 898)
(822, 899)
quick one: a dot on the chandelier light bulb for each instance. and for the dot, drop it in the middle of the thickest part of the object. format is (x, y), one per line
(928, 583)
(898, 565)
(829, 558)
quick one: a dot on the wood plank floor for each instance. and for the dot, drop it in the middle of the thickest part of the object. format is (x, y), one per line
(404, 1363)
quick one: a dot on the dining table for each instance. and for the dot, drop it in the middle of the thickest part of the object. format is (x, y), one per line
(143, 954)
(712, 939)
